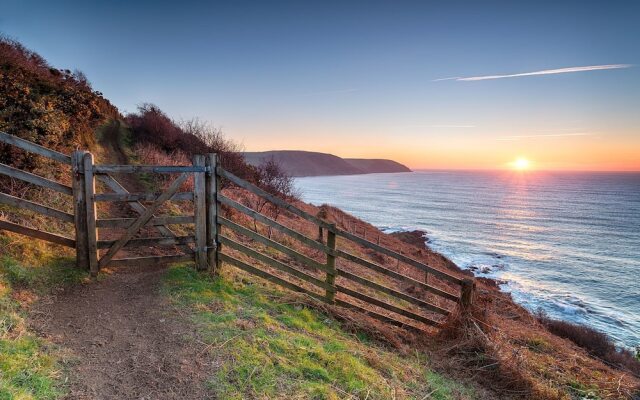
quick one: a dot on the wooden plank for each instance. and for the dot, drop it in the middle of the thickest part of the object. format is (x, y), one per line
(211, 189)
(150, 241)
(79, 209)
(131, 197)
(436, 272)
(200, 212)
(267, 221)
(375, 315)
(114, 185)
(91, 214)
(147, 261)
(255, 271)
(273, 199)
(331, 267)
(275, 263)
(397, 275)
(158, 222)
(34, 148)
(291, 208)
(35, 207)
(373, 285)
(34, 233)
(156, 169)
(34, 179)
(273, 244)
(386, 306)
(142, 220)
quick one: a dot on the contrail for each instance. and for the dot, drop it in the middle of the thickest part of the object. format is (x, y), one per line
(535, 73)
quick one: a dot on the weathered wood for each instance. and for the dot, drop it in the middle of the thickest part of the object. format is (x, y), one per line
(142, 220)
(211, 188)
(130, 197)
(91, 214)
(34, 148)
(375, 315)
(387, 306)
(150, 241)
(35, 207)
(35, 233)
(114, 185)
(135, 169)
(79, 209)
(293, 209)
(396, 275)
(273, 199)
(158, 222)
(373, 285)
(301, 258)
(255, 271)
(268, 221)
(435, 272)
(200, 212)
(274, 263)
(331, 267)
(146, 261)
(34, 179)
(468, 289)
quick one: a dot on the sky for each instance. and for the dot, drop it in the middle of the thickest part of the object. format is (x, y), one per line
(447, 85)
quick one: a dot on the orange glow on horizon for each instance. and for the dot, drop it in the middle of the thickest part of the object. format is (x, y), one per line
(520, 164)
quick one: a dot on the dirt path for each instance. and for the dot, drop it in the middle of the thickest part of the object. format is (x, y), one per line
(126, 341)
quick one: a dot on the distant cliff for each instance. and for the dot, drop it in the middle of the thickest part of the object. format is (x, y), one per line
(308, 163)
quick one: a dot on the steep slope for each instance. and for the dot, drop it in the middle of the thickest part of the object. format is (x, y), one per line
(377, 165)
(304, 163)
(309, 163)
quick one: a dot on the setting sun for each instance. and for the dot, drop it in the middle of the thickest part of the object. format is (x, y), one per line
(521, 164)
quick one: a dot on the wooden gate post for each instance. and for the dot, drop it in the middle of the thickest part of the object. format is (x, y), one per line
(466, 296)
(89, 197)
(212, 187)
(200, 207)
(79, 209)
(331, 265)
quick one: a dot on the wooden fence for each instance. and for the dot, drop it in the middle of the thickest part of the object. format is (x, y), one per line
(339, 278)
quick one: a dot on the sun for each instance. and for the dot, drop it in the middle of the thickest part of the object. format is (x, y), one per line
(521, 164)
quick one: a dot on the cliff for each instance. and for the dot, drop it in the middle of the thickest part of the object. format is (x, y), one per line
(308, 163)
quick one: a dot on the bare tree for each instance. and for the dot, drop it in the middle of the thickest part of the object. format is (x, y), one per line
(276, 181)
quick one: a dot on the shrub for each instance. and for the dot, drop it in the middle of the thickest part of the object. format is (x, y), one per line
(151, 125)
(596, 343)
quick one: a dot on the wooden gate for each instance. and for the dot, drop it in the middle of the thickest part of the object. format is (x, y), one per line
(198, 247)
(387, 287)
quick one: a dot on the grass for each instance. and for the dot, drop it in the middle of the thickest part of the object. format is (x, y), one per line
(29, 367)
(266, 344)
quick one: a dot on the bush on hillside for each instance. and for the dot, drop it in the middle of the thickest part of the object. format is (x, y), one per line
(52, 107)
(152, 126)
(596, 343)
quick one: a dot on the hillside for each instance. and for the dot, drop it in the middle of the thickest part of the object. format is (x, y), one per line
(309, 163)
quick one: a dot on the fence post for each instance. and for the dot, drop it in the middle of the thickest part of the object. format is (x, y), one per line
(468, 286)
(200, 213)
(79, 209)
(320, 234)
(89, 197)
(331, 264)
(211, 184)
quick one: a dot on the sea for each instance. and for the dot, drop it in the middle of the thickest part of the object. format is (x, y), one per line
(567, 243)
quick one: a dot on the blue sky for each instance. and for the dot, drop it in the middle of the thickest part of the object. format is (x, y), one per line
(361, 78)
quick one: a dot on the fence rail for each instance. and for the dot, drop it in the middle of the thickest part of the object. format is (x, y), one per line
(330, 273)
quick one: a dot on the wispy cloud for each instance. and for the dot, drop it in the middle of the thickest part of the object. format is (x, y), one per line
(329, 92)
(552, 135)
(535, 73)
(446, 126)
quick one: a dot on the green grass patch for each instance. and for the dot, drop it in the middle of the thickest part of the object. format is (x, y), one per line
(29, 368)
(266, 345)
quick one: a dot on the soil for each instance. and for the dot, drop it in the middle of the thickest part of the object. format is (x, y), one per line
(126, 341)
